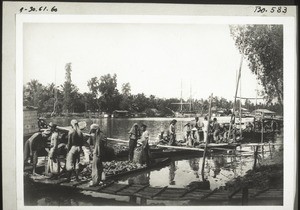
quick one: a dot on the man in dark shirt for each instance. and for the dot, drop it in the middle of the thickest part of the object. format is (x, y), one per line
(33, 145)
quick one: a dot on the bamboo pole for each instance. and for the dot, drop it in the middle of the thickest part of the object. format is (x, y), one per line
(262, 128)
(206, 140)
(183, 148)
(235, 96)
(240, 108)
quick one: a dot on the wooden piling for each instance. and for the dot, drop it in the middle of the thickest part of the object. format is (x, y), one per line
(255, 156)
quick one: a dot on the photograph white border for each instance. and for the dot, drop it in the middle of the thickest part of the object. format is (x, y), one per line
(289, 83)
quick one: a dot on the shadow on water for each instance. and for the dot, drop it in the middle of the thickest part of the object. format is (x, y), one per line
(41, 195)
(181, 172)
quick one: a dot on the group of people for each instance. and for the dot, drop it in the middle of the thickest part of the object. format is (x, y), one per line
(68, 152)
(196, 132)
(139, 133)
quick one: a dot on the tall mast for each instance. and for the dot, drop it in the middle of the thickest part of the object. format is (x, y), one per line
(190, 97)
(181, 96)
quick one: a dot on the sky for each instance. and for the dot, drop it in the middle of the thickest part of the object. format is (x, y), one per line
(153, 58)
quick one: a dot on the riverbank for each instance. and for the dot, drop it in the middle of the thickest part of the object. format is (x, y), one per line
(269, 174)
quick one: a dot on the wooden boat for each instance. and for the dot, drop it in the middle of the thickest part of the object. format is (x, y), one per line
(172, 151)
(42, 179)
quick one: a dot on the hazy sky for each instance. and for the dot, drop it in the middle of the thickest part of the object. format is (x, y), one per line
(153, 58)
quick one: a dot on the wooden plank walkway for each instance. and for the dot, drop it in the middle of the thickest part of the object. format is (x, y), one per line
(167, 193)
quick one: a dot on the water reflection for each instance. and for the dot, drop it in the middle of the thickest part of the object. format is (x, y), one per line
(119, 127)
(141, 179)
(194, 164)
(218, 169)
(218, 163)
(172, 170)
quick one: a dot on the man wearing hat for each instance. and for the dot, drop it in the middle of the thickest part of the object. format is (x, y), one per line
(172, 133)
(36, 143)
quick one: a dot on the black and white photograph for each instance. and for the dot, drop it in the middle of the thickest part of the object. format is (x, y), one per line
(159, 109)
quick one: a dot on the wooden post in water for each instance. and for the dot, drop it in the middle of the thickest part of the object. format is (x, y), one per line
(270, 150)
(262, 128)
(206, 140)
(245, 194)
(255, 156)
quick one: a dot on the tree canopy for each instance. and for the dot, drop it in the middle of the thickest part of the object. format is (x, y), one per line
(262, 46)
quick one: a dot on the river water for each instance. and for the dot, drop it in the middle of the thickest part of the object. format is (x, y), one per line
(181, 172)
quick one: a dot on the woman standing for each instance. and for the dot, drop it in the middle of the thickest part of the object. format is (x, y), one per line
(98, 138)
(145, 145)
(134, 135)
(75, 142)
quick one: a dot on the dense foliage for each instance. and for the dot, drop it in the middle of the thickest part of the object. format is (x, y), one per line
(103, 96)
(262, 46)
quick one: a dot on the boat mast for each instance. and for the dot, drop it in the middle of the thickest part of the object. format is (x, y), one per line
(190, 97)
(181, 96)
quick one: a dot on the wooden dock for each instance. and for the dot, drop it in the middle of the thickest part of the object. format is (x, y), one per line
(147, 192)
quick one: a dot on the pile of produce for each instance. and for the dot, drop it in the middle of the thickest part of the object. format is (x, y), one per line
(117, 167)
(112, 168)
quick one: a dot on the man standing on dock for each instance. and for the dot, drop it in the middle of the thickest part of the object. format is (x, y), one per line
(172, 133)
(75, 143)
(204, 128)
(34, 145)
